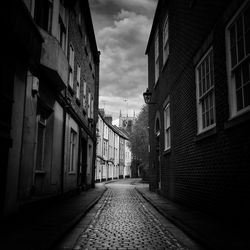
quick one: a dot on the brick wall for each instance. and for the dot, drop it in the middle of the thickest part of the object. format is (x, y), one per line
(211, 173)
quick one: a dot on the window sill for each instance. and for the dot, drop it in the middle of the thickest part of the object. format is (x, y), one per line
(40, 172)
(206, 134)
(167, 152)
(237, 120)
(72, 173)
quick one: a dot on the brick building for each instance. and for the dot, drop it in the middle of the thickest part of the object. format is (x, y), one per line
(49, 85)
(199, 120)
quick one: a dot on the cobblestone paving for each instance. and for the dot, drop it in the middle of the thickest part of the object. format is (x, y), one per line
(125, 222)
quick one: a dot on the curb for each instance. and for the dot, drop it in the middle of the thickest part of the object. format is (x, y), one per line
(74, 222)
(186, 229)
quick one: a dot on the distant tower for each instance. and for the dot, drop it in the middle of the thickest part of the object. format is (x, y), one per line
(127, 122)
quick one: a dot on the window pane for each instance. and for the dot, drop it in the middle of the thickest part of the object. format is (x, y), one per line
(240, 44)
(232, 36)
(247, 28)
(206, 103)
(207, 82)
(203, 120)
(247, 42)
(200, 85)
(247, 18)
(203, 106)
(238, 78)
(233, 56)
(207, 118)
(246, 90)
(212, 116)
(239, 99)
(211, 70)
(203, 86)
(239, 28)
(168, 138)
(245, 70)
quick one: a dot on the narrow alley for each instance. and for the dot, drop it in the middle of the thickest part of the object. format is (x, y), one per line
(123, 219)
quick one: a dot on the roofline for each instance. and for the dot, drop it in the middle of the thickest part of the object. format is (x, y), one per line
(84, 4)
(90, 28)
(113, 127)
(155, 23)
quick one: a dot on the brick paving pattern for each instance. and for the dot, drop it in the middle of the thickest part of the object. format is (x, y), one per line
(123, 221)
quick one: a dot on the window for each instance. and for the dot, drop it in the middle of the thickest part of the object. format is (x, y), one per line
(84, 94)
(205, 92)
(89, 105)
(41, 130)
(72, 153)
(43, 14)
(156, 58)
(62, 26)
(71, 64)
(62, 34)
(165, 41)
(167, 132)
(238, 61)
(92, 108)
(78, 82)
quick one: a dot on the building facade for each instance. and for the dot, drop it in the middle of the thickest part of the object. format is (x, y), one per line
(112, 145)
(198, 61)
(55, 100)
(126, 122)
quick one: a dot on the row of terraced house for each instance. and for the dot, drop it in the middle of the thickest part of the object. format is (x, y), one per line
(49, 100)
(113, 158)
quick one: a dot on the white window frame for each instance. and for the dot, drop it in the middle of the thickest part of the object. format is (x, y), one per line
(72, 151)
(165, 42)
(78, 81)
(233, 112)
(157, 58)
(167, 126)
(89, 105)
(71, 64)
(84, 94)
(205, 92)
(92, 108)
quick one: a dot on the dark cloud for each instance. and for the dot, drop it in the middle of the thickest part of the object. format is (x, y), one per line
(105, 10)
(122, 36)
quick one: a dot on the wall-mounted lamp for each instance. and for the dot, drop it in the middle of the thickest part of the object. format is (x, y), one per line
(147, 97)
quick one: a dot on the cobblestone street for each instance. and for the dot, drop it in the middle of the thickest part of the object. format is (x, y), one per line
(124, 220)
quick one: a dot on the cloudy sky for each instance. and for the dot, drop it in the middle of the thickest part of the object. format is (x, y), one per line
(122, 30)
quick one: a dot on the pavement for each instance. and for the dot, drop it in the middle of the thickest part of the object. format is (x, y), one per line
(42, 228)
(209, 232)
